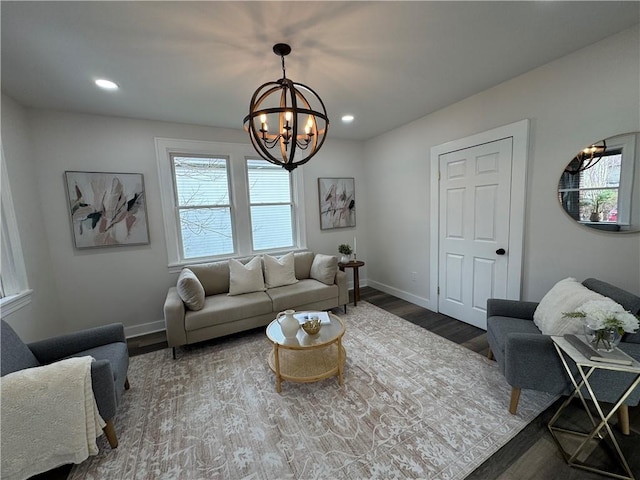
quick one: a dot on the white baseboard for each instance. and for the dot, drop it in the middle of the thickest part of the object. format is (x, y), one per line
(144, 329)
(409, 297)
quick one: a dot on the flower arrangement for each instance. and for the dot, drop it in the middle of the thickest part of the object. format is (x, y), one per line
(345, 249)
(603, 316)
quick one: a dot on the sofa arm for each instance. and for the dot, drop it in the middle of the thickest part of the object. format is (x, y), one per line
(62, 346)
(497, 307)
(174, 312)
(104, 389)
(531, 361)
(343, 291)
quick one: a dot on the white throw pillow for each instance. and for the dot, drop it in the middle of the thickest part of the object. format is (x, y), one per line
(566, 296)
(279, 271)
(245, 278)
(190, 290)
(324, 268)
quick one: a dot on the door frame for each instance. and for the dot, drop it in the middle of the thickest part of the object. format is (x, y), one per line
(519, 131)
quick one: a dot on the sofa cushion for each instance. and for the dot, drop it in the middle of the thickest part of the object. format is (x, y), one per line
(303, 261)
(15, 353)
(117, 355)
(301, 293)
(279, 271)
(629, 301)
(565, 296)
(222, 308)
(190, 290)
(245, 278)
(214, 276)
(324, 268)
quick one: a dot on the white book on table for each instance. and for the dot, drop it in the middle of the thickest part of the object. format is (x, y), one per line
(306, 316)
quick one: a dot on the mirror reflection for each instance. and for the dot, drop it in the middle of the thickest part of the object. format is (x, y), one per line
(600, 187)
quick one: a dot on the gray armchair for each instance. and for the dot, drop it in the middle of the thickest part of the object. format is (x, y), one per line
(106, 344)
(528, 359)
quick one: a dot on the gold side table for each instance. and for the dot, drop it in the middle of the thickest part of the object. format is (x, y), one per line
(601, 428)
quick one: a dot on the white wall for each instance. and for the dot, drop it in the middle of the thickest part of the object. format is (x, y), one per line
(21, 170)
(129, 284)
(572, 102)
(569, 107)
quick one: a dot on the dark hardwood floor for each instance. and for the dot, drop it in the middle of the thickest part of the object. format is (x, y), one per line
(530, 455)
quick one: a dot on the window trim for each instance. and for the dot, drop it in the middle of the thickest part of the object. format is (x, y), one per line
(18, 293)
(237, 153)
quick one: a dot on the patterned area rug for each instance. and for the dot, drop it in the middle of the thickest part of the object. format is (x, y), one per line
(413, 405)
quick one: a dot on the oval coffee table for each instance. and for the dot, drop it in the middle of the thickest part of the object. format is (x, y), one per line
(307, 358)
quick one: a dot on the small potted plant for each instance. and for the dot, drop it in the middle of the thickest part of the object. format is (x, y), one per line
(345, 250)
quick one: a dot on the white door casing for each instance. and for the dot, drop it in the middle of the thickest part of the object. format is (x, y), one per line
(477, 207)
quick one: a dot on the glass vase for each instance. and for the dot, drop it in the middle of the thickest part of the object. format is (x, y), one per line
(603, 339)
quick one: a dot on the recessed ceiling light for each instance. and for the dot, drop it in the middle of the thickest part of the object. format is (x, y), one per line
(107, 84)
(347, 118)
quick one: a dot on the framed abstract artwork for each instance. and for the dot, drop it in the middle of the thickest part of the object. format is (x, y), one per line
(107, 209)
(337, 202)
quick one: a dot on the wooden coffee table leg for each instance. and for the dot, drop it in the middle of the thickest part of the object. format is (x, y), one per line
(356, 286)
(340, 362)
(276, 358)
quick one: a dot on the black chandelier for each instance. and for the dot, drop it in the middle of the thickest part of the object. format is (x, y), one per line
(587, 158)
(301, 120)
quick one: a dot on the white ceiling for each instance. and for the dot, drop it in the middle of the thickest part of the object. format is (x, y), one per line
(387, 63)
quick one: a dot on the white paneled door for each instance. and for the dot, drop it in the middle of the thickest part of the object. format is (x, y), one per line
(475, 199)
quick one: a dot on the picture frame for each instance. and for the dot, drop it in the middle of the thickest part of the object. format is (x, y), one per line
(106, 209)
(337, 199)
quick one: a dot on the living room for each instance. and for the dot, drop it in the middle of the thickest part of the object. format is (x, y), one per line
(569, 101)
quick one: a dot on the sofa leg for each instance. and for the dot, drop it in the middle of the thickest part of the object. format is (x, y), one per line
(126, 383)
(174, 352)
(110, 431)
(490, 355)
(515, 398)
(345, 308)
(623, 419)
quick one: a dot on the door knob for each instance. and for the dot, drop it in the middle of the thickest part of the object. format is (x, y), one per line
(501, 251)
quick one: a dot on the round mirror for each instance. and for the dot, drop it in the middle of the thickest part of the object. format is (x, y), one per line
(600, 187)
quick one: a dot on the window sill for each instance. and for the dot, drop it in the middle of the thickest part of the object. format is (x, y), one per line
(13, 303)
(177, 267)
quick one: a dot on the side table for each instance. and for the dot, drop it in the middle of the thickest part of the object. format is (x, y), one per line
(355, 265)
(581, 380)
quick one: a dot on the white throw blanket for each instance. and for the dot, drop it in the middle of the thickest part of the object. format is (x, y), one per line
(49, 418)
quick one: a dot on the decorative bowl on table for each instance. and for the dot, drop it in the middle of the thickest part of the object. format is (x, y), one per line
(311, 327)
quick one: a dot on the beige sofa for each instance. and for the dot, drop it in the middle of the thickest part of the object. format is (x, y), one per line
(217, 313)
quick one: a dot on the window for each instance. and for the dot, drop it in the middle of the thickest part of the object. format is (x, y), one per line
(14, 292)
(220, 200)
(203, 205)
(271, 205)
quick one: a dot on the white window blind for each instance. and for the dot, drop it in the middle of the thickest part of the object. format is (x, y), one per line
(271, 205)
